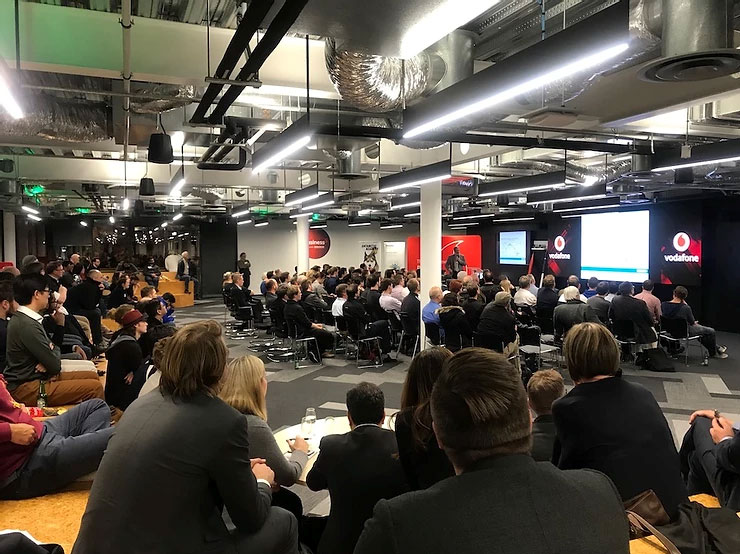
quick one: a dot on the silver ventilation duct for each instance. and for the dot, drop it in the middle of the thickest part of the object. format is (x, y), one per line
(56, 119)
(172, 97)
(596, 175)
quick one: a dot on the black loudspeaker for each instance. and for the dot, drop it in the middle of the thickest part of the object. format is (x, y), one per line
(684, 175)
(138, 207)
(160, 149)
(7, 166)
(146, 186)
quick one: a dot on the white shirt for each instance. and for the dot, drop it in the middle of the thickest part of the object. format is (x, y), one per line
(390, 304)
(524, 297)
(399, 292)
(30, 313)
(336, 307)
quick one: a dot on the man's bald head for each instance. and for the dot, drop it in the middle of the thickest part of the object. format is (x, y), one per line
(435, 294)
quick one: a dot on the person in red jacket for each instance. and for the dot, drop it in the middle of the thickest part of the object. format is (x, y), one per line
(38, 458)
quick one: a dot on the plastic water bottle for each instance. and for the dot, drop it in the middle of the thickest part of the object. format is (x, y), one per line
(43, 399)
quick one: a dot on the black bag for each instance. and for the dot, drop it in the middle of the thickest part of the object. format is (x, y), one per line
(655, 359)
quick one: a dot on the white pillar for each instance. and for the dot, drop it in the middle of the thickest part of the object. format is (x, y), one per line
(9, 253)
(302, 244)
(431, 243)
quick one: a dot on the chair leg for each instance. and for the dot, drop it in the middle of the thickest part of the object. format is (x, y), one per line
(416, 345)
(400, 343)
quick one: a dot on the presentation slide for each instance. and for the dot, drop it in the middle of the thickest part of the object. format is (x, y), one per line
(512, 249)
(615, 246)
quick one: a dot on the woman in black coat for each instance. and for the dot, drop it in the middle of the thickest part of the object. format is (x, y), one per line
(126, 372)
(458, 332)
(423, 462)
(614, 426)
(120, 292)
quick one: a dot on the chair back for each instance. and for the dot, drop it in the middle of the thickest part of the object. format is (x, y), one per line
(292, 329)
(489, 341)
(529, 335)
(409, 324)
(525, 314)
(678, 328)
(310, 311)
(432, 333)
(394, 321)
(623, 329)
(544, 320)
(340, 322)
(354, 327)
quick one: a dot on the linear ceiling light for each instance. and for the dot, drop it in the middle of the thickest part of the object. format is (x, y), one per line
(408, 201)
(34, 217)
(391, 226)
(177, 187)
(588, 205)
(176, 217)
(296, 215)
(244, 222)
(261, 223)
(417, 176)
(510, 219)
(568, 195)
(319, 226)
(300, 196)
(439, 22)
(83, 223)
(280, 155)
(323, 200)
(30, 210)
(240, 213)
(7, 100)
(697, 164)
(455, 225)
(359, 222)
(290, 140)
(531, 183)
(578, 49)
(126, 204)
(413, 214)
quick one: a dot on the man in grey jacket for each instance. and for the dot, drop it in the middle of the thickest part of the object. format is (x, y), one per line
(570, 312)
(32, 356)
(481, 421)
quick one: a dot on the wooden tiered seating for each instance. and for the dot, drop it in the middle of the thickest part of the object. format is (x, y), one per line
(168, 283)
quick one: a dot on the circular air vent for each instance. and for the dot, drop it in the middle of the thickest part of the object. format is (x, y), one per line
(694, 67)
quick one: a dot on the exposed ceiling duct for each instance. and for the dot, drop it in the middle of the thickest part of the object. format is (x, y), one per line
(597, 175)
(55, 119)
(172, 97)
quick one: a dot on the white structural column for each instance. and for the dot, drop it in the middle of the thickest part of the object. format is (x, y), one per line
(302, 244)
(9, 254)
(431, 243)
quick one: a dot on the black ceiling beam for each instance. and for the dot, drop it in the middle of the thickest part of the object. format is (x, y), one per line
(274, 34)
(255, 14)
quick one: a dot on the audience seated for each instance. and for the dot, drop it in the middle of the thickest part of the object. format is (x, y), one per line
(411, 306)
(454, 286)
(523, 296)
(7, 308)
(474, 305)
(573, 281)
(387, 301)
(652, 301)
(501, 499)
(710, 458)
(544, 388)
(152, 273)
(626, 307)
(423, 462)
(38, 458)
(154, 368)
(270, 289)
(612, 425)
(186, 272)
(547, 295)
(399, 291)
(156, 329)
(336, 307)
(592, 283)
(31, 356)
(533, 288)
(358, 468)
(354, 310)
(228, 283)
(318, 284)
(65, 330)
(83, 300)
(599, 304)
(120, 292)
(498, 321)
(169, 302)
(54, 272)
(573, 311)
(179, 455)
(677, 308)
(126, 370)
(311, 299)
(429, 312)
(506, 287)
(458, 332)
(488, 288)
(244, 388)
(68, 278)
(295, 315)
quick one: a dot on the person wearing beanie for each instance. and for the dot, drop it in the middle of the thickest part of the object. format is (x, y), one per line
(482, 422)
(126, 370)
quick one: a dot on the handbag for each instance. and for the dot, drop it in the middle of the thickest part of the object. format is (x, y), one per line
(640, 527)
(644, 512)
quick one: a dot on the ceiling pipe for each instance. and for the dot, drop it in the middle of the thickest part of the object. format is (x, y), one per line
(126, 73)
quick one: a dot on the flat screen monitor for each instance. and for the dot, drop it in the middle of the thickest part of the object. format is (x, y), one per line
(512, 248)
(615, 246)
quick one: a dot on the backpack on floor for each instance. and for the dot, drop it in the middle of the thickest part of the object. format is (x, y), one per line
(655, 359)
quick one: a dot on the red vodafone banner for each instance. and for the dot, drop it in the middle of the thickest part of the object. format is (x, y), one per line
(318, 243)
(469, 245)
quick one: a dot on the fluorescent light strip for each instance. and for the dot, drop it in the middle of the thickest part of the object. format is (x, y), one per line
(478, 216)
(30, 210)
(409, 205)
(572, 68)
(282, 154)
(34, 217)
(241, 213)
(83, 223)
(523, 189)
(8, 102)
(604, 207)
(176, 217)
(319, 205)
(126, 203)
(395, 226)
(417, 214)
(513, 219)
(416, 183)
(301, 215)
(255, 137)
(178, 187)
(454, 225)
(696, 164)
(262, 224)
(572, 199)
(244, 222)
(359, 224)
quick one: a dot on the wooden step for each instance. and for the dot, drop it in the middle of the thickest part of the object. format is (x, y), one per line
(183, 300)
(175, 287)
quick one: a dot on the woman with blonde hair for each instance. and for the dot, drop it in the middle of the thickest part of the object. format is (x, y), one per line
(244, 388)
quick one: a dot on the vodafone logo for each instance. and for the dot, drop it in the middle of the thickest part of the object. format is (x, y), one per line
(681, 242)
(560, 243)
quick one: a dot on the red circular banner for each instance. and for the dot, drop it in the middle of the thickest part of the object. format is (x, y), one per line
(318, 243)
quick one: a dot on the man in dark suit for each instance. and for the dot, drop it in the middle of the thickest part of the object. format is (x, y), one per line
(481, 420)
(176, 460)
(270, 288)
(359, 468)
(544, 388)
(626, 307)
(547, 295)
(186, 271)
(710, 458)
(411, 306)
(354, 310)
(473, 306)
(373, 299)
(599, 304)
(488, 288)
(296, 317)
(54, 274)
(84, 299)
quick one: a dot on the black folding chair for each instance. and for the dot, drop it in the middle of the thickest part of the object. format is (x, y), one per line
(369, 345)
(675, 331)
(409, 330)
(489, 341)
(431, 330)
(300, 346)
(624, 332)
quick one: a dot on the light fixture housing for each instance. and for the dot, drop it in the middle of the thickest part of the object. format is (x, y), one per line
(416, 177)
(177, 216)
(530, 183)
(325, 199)
(111, 219)
(303, 195)
(283, 145)
(587, 44)
(391, 226)
(599, 203)
(30, 210)
(318, 226)
(296, 214)
(725, 151)
(570, 194)
(261, 222)
(409, 201)
(126, 204)
(359, 222)
(33, 217)
(240, 211)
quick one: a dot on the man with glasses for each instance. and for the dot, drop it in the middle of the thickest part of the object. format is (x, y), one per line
(32, 356)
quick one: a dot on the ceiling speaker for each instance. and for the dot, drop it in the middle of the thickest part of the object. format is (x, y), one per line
(160, 149)
(684, 175)
(138, 207)
(7, 166)
(146, 186)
